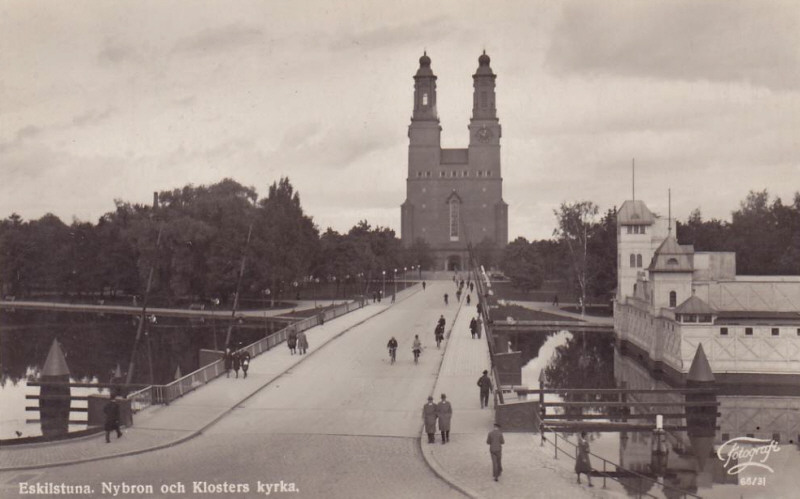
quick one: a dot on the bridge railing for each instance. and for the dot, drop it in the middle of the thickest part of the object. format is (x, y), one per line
(164, 394)
(611, 469)
(478, 277)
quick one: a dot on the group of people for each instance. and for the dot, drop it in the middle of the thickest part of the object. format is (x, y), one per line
(416, 349)
(440, 413)
(238, 359)
(475, 326)
(297, 341)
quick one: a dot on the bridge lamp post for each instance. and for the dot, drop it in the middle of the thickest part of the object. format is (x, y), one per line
(383, 274)
(394, 278)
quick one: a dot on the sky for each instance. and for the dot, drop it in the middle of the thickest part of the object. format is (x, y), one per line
(115, 100)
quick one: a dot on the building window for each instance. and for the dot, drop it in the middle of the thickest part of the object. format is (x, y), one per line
(633, 261)
(723, 331)
(454, 219)
(630, 229)
(427, 174)
(703, 318)
(748, 331)
(672, 261)
(419, 174)
(776, 332)
(639, 261)
(488, 174)
(673, 299)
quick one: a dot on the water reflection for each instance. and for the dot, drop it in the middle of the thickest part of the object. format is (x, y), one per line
(98, 345)
(684, 459)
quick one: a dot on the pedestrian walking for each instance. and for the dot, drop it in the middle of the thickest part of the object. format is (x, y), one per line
(227, 359)
(444, 411)
(495, 441)
(429, 415)
(445, 298)
(302, 342)
(485, 385)
(237, 362)
(479, 308)
(472, 327)
(458, 295)
(478, 326)
(582, 464)
(245, 362)
(291, 341)
(439, 335)
(423, 285)
(555, 300)
(468, 299)
(111, 410)
(471, 286)
(416, 348)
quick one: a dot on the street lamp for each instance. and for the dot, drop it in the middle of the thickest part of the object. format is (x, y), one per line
(394, 278)
(383, 273)
(316, 282)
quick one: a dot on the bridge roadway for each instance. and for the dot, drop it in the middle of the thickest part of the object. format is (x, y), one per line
(338, 422)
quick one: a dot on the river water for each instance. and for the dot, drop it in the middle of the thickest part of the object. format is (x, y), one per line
(686, 462)
(96, 346)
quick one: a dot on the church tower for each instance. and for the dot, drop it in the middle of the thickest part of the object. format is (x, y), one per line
(454, 196)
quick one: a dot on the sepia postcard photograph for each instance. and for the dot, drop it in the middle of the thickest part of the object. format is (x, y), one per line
(410, 249)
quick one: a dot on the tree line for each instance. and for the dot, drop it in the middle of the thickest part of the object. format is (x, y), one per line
(195, 240)
(764, 233)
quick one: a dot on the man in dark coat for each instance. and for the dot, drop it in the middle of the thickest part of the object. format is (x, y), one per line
(444, 411)
(472, 325)
(237, 363)
(485, 385)
(495, 441)
(429, 415)
(111, 410)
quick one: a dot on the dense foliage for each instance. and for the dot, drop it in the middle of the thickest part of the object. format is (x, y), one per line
(195, 241)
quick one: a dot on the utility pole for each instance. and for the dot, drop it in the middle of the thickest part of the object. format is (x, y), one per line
(238, 287)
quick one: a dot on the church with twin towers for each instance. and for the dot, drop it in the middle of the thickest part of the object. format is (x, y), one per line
(454, 197)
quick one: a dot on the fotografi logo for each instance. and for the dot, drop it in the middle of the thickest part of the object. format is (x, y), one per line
(753, 455)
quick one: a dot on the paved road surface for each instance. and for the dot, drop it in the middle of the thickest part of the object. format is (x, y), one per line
(344, 424)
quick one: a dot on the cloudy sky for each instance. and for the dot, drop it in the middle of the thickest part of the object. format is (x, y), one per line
(114, 100)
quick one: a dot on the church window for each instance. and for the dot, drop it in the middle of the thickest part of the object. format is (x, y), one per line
(466, 173)
(419, 174)
(425, 99)
(488, 174)
(480, 173)
(427, 174)
(673, 299)
(639, 260)
(643, 229)
(454, 219)
(441, 174)
(633, 260)
(672, 261)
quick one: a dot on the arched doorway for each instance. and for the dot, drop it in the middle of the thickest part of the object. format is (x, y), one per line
(454, 263)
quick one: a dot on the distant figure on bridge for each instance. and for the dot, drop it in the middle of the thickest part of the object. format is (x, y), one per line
(302, 342)
(555, 300)
(495, 441)
(485, 385)
(479, 308)
(468, 299)
(471, 286)
(227, 359)
(444, 411)
(111, 410)
(438, 334)
(445, 298)
(245, 355)
(473, 325)
(429, 414)
(423, 285)
(458, 295)
(237, 363)
(416, 348)
(291, 341)
(582, 464)
(441, 321)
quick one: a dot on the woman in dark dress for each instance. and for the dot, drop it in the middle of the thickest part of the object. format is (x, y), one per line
(582, 464)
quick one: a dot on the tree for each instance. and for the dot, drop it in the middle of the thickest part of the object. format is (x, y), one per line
(521, 264)
(419, 253)
(574, 224)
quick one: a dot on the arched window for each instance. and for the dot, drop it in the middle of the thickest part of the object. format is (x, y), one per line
(639, 260)
(633, 260)
(454, 219)
(672, 261)
(673, 299)
(425, 99)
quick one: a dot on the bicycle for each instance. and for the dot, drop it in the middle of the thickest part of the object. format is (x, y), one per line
(416, 355)
(393, 354)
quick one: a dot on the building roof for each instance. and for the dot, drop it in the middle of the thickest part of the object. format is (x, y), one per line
(56, 363)
(635, 212)
(694, 306)
(672, 257)
(701, 369)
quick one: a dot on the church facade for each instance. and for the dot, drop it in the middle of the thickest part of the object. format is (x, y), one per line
(454, 197)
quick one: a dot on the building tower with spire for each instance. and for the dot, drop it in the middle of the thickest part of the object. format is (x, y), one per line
(454, 197)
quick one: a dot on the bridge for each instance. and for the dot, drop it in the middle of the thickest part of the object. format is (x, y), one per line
(340, 421)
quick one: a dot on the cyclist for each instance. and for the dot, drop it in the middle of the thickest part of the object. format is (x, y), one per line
(392, 346)
(416, 348)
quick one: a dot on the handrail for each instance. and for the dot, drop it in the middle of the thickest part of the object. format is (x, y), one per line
(604, 472)
(164, 394)
(498, 394)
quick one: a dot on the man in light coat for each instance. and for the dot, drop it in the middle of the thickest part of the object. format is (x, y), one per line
(445, 411)
(429, 415)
